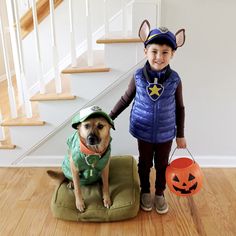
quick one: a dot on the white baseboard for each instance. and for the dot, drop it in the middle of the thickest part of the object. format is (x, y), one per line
(203, 161)
(216, 161)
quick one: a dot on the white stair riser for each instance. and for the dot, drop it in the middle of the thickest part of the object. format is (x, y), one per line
(9, 155)
(87, 86)
(55, 112)
(26, 136)
(122, 56)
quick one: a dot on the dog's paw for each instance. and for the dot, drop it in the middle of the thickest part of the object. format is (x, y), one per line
(106, 201)
(80, 205)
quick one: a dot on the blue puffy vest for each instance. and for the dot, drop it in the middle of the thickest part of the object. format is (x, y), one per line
(153, 117)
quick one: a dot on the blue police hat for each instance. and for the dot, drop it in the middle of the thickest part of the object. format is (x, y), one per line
(161, 35)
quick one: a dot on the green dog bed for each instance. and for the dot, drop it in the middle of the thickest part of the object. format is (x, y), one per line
(124, 192)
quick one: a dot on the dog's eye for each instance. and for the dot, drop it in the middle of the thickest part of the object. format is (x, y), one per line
(86, 126)
(100, 126)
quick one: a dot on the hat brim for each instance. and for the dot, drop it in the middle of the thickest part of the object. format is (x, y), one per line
(161, 39)
(93, 115)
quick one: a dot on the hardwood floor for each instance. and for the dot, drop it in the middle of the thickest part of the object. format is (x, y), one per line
(25, 195)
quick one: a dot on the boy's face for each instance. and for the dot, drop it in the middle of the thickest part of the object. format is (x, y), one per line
(158, 55)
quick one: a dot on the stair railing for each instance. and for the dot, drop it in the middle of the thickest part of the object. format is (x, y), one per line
(89, 35)
(37, 46)
(72, 35)
(55, 50)
(17, 51)
(11, 93)
(12, 6)
(2, 132)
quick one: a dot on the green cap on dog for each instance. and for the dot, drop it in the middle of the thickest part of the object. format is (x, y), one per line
(88, 112)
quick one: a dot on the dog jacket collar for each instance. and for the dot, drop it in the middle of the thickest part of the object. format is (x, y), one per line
(87, 151)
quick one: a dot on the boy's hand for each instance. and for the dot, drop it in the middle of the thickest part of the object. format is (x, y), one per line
(181, 143)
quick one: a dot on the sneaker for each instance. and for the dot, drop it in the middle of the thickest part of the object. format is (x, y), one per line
(160, 204)
(146, 201)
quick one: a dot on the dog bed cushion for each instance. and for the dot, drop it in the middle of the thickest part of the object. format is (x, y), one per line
(124, 192)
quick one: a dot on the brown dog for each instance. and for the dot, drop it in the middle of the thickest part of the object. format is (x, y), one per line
(88, 155)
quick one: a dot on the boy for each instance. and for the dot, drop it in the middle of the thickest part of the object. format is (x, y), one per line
(157, 114)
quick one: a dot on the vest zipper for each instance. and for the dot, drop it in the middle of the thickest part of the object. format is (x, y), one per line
(156, 108)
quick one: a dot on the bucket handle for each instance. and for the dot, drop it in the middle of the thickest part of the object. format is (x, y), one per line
(174, 152)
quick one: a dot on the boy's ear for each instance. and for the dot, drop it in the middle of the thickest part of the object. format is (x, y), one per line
(180, 37)
(144, 30)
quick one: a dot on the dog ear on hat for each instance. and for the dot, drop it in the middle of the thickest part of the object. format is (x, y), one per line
(180, 37)
(144, 30)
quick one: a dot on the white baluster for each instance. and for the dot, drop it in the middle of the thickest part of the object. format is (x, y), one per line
(11, 93)
(2, 132)
(54, 48)
(159, 13)
(72, 36)
(124, 23)
(15, 49)
(37, 45)
(89, 35)
(106, 18)
(26, 101)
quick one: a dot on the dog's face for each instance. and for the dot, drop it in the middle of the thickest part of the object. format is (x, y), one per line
(95, 133)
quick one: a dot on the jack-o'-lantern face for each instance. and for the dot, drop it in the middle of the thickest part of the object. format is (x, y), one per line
(185, 186)
(184, 177)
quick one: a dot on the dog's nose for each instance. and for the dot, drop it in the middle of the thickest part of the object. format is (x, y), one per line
(92, 139)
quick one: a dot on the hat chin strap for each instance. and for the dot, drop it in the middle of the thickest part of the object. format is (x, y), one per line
(84, 149)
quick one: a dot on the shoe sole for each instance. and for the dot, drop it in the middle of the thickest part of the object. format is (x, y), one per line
(163, 211)
(145, 208)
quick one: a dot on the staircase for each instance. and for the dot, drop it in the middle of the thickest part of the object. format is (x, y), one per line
(81, 86)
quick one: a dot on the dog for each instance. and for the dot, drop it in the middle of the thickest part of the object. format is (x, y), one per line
(88, 157)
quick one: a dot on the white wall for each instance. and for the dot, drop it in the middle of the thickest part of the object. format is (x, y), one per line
(207, 65)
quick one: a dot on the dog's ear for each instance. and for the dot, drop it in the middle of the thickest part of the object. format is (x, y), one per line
(180, 37)
(144, 30)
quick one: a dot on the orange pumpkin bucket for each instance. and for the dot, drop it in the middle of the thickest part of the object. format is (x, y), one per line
(184, 176)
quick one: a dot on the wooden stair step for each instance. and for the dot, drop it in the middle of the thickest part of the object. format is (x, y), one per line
(52, 97)
(23, 122)
(7, 146)
(109, 40)
(88, 69)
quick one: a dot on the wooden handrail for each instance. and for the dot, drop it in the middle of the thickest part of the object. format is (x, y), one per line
(43, 9)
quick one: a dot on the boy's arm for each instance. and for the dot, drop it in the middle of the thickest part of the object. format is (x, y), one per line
(180, 112)
(180, 115)
(125, 100)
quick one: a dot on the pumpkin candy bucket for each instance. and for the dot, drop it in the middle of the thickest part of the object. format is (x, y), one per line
(184, 176)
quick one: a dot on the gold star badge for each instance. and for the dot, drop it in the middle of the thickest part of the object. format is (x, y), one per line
(155, 90)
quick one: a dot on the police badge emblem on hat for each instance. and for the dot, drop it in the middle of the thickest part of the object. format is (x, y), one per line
(96, 108)
(163, 29)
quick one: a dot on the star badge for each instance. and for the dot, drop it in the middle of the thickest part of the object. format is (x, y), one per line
(154, 90)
